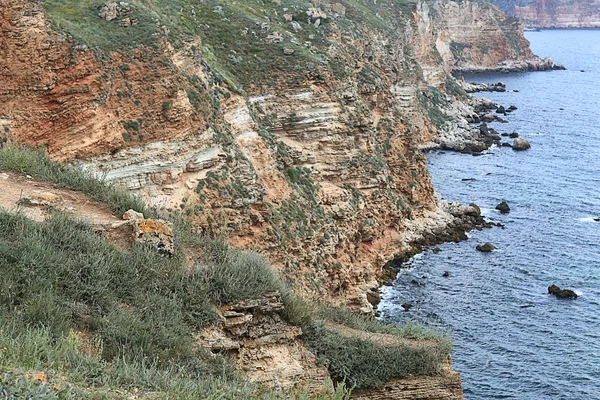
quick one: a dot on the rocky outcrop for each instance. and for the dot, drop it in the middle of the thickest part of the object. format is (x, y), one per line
(554, 13)
(447, 386)
(269, 350)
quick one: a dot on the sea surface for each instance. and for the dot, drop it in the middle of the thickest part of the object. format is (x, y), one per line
(513, 340)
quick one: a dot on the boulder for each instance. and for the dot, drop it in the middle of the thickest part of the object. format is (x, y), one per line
(288, 51)
(446, 274)
(521, 144)
(512, 108)
(406, 306)
(485, 248)
(513, 135)
(562, 293)
(436, 250)
(503, 207)
(156, 232)
(501, 110)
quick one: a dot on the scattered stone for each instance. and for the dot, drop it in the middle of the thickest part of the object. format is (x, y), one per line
(288, 17)
(288, 51)
(406, 306)
(436, 250)
(485, 248)
(156, 232)
(513, 135)
(501, 110)
(521, 144)
(506, 145)
(512, 108)
(297, 27)
(132, 215)
(503, 207)
(562, 293)
(446, 274)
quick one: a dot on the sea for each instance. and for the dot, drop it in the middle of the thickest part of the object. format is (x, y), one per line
(512, 340)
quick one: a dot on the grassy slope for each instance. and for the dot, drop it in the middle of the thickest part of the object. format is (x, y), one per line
(234, 39)
(102, 321)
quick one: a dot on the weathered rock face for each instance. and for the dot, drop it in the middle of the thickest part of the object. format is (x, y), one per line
(268, 349)
(319, 169)
(475, 36)
(553, 14)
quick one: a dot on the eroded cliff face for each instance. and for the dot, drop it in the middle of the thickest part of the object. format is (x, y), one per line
(311, 156)
(554, 13)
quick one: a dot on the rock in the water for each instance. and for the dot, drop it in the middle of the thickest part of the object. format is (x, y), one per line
(501, 110)
(562, 293)
(485, 248)
(506, 145)
(597, 219)
(521, 144)
(476, 208)
(436, 250)
(406, 306)
(513, 135)
(512, 108)
(503, 207)
(156, 232)
(446, 274)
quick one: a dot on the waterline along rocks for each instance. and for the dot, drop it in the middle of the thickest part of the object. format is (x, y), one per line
(299, 135)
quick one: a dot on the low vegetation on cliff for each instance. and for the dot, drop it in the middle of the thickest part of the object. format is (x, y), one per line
(83, 318)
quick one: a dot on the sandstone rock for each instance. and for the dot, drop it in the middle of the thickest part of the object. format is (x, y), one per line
(503, 207)
(562, 293)
(521, 144)
(156, 232)
(288, 17)
(485, 248)
(288, 51)
(132, 214)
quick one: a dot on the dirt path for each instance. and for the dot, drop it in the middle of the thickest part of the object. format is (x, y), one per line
(36, 199)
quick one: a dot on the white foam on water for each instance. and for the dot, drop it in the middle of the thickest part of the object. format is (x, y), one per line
(588, 219)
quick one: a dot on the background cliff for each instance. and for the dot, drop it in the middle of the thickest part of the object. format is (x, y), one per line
(293, 127)
(554, 13)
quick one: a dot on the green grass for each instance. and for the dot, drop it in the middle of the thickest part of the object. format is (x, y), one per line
(35, 162)
(365, 364)
(234, 40)
(104, 319)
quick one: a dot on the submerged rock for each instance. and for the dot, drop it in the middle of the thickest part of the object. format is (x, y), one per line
(503, 207)
(562, 293)
(485, 248)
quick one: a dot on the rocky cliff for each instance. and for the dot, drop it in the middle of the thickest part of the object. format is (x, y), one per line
(294, 127)
(553, 13)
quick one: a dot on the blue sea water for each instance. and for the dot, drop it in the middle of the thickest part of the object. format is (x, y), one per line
(551, 348)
